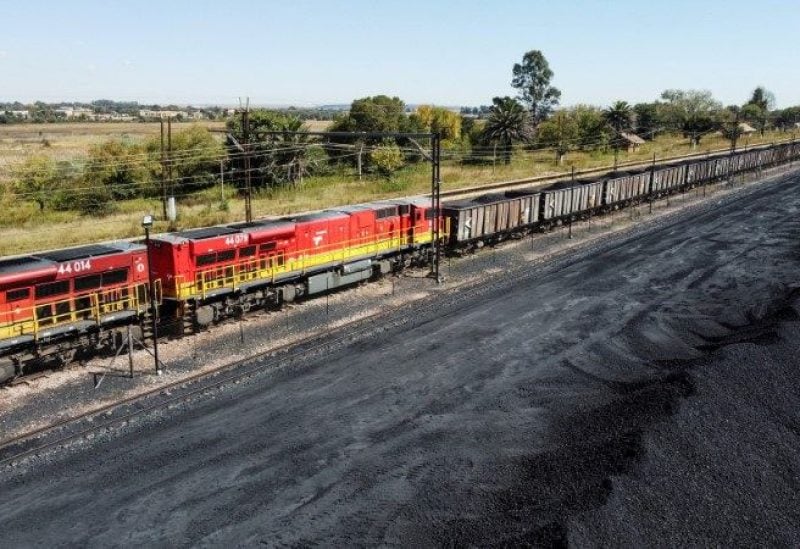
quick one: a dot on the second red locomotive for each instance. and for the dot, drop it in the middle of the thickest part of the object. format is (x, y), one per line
(208, 274)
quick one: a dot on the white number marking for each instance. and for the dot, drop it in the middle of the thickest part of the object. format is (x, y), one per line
(79, 266)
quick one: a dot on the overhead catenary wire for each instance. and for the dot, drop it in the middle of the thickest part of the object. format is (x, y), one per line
(99, 222)
(265, 150)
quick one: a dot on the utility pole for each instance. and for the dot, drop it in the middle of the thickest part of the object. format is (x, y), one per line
(169, 157)
(735, 132)
(248, 200)
(652, 182)
(163, 174)
(169, 166)
(360, 152)
(222, 180)
(436, 205)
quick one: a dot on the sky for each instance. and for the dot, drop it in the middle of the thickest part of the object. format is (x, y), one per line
(308, 52)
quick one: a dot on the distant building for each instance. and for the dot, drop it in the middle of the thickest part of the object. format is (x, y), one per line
(74, 112)
(632, 141)
(746, 129)
(20, 114)
(157, 115)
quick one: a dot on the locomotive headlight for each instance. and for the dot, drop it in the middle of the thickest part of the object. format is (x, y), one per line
(147, 221)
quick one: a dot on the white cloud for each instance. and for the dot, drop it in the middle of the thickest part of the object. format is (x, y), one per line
(3, 54)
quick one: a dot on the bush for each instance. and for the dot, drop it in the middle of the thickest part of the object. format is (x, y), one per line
(387, 159)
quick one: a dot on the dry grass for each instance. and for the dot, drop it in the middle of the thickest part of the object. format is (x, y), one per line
(27, 230)
(70, 141)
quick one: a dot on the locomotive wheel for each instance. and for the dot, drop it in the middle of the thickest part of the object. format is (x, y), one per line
(7, 370)
(205, 315)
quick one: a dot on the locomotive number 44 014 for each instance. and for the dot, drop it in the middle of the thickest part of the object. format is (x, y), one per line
(75, 266)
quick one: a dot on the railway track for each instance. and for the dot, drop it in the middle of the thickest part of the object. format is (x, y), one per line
(120, 413)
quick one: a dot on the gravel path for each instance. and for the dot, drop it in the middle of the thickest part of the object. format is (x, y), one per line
(642, 392)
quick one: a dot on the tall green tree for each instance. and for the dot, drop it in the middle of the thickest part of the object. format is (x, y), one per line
(762, 97)
(787, 119)
(532, 79)
(387, 159)
(648, 121)
(757, 109)
(438, 119)
(36, 180)
(693, 112)
(380, 113)
(279, 145)
(559, 132)
(619, 118)
(195, 159)
(507, 123)
(592, 128)
(730, 124)
(376, 114)
(121, 168)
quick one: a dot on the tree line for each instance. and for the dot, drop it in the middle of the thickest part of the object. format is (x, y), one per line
(280, 151)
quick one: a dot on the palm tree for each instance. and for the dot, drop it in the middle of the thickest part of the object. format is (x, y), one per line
(508, 121)
(619, 118)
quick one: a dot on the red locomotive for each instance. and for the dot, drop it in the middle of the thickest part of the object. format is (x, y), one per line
(56, 304)
(50, 301)
(211, 273)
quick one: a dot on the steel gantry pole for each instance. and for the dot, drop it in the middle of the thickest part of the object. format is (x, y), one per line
(147, 224)
(248, 199)
(436, 205)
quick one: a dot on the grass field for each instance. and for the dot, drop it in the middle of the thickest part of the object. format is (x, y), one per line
(69, 141)
(24, 228)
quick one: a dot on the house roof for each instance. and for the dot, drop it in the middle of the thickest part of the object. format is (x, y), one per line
(632, 138)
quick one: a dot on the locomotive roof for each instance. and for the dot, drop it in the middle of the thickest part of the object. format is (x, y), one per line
(93, 250)
(357, 208)
(45, 259)
(254, 226)
(327, 214)
(22, 264)
(195, 234)
(205, 232)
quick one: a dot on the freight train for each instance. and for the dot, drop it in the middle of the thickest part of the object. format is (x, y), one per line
(65, 305)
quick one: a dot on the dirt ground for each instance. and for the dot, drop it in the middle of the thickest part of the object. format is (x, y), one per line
(641, 391)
